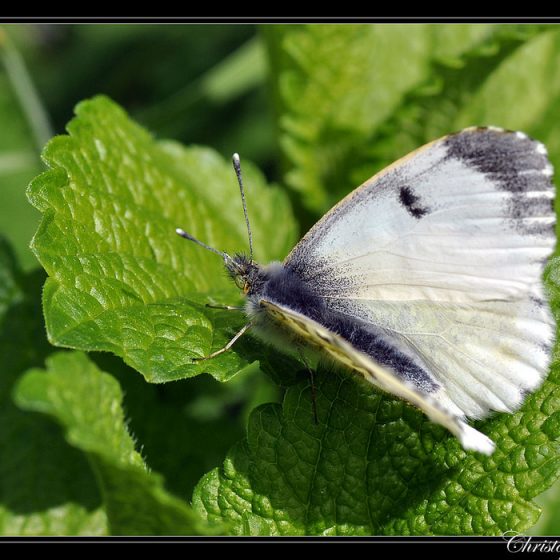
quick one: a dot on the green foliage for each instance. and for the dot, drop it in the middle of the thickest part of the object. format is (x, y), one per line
(19, 161)
(549, 521)
(348, 100)
(186, 428)
(87, 403)
(46, 486)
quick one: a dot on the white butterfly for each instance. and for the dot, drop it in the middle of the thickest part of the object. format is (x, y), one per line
(426, 279)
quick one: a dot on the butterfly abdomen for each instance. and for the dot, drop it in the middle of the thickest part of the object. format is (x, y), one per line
(282, 286)
(371, 340)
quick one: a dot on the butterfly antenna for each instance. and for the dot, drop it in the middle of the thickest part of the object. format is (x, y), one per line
(188, 236)
(237, 167)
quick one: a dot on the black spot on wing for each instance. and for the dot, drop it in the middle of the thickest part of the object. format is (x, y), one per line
(517, 165)
(411, 201)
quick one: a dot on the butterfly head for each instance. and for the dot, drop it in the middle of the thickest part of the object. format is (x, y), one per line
(242, 270)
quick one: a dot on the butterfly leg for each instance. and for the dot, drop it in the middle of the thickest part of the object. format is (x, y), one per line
(227, 346)
(227, 307)
(312, 382)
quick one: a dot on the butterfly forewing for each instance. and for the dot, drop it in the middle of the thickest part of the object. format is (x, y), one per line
(444, 251)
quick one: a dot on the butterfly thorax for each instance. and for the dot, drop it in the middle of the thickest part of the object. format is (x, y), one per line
(277, 283)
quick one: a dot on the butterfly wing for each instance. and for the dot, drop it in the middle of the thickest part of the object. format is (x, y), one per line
(444, 251)
(435, 404)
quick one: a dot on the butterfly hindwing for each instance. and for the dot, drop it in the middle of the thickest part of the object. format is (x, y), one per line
(444, 252)
(436, 404)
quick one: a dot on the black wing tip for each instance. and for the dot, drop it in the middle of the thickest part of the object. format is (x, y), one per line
(499, 152)
(506, 134)
(516, 164)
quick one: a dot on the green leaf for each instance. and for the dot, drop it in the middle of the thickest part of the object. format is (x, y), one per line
(120, 279)
(338, 87)
(186, 428)
(46, 486)
(523, 93)
(375, 465)
(549, 522)
(87, 403)
(19, 158)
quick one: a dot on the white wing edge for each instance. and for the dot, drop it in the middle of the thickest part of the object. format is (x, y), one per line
(470, 438)
(474, 440)
(435, 408)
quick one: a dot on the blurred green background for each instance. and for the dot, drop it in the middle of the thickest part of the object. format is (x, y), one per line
(209, 85)
(197, 84)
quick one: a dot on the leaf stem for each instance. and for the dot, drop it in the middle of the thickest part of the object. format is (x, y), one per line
(25, 91)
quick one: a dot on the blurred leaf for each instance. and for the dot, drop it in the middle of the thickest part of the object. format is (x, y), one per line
(242, 70)
(549, 521)
(198, 84)
(19, 159)
(433, 109)
(87, 403)
(140, 65)
(523, 93)
(46, 487)
(337, 86)
(120, 279)
(228, 97)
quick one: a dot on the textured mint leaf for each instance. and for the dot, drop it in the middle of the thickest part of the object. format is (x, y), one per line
(375, 465)
(120, 280)
(87, 403)
(46, 486)
(337, 87)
